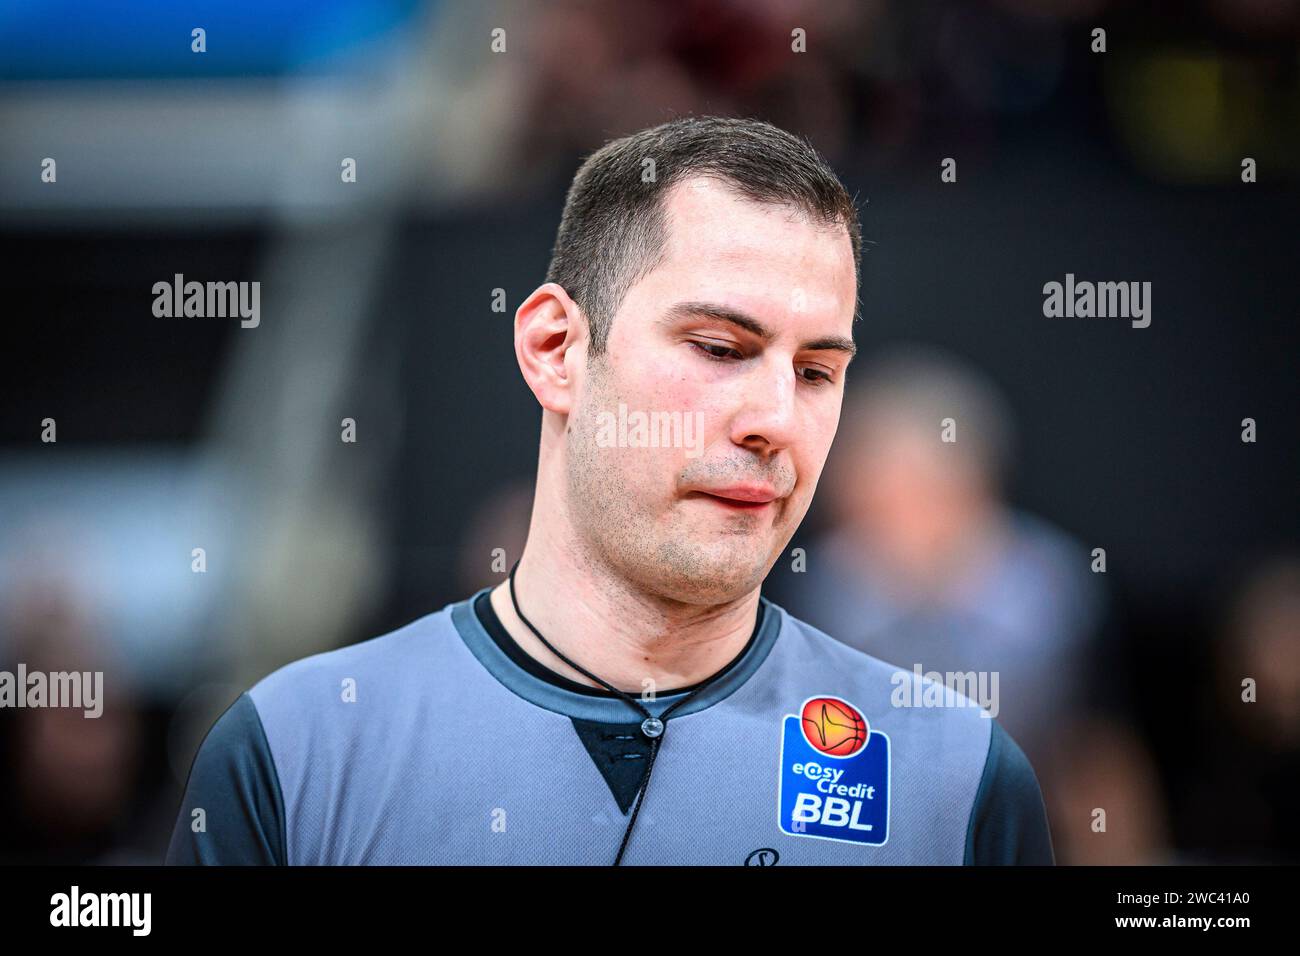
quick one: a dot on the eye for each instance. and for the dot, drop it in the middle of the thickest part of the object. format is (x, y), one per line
(720, 355)
(820, 378)
(718, 352)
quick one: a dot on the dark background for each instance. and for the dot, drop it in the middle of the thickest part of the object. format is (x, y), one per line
(1116, 166)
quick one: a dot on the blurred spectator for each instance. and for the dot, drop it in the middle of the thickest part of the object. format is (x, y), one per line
(1243, 787)
(926, 564)
(1106, 804)
(72, 780)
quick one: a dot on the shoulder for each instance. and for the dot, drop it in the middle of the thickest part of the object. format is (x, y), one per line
(944, 720)
(1008, 823)
(391, 655)
(261, 753)
(939, 726)
(818, 650)
(232, 811)
(952, 699)
(332, 706)
(381, 672)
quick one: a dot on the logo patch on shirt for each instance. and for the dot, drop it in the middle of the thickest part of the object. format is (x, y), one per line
(834, 782)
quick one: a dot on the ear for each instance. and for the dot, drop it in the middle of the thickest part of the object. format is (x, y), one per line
(550, 336)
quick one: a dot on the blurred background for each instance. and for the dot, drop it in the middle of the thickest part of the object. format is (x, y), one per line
(1123, 686)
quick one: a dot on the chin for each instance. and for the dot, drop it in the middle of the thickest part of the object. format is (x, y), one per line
(708, 575)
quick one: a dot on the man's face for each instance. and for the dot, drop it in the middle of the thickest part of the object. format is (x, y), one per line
(737, 330)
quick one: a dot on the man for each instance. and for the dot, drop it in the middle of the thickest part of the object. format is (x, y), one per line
(627, 696)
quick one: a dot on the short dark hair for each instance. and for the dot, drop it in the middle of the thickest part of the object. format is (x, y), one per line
(614, 228)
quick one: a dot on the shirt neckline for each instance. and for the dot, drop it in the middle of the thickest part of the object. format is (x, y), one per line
(491, 621)
(597, 704)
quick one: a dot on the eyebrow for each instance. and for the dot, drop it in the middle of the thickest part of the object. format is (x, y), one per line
(835, 343)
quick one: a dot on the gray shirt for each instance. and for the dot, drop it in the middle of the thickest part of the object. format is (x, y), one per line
(432, 745)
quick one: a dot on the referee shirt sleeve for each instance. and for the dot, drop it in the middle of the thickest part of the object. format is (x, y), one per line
(1008, 823)
(234, 782)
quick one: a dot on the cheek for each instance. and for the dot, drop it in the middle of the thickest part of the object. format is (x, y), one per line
(671, 386)
(672, 376)
(654, 378)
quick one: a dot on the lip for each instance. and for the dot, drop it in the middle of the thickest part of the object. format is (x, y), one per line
(745, 497)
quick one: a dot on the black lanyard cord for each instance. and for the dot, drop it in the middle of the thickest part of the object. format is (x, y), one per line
(653, 727)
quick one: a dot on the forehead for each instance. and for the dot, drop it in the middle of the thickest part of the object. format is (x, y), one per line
(722, 244)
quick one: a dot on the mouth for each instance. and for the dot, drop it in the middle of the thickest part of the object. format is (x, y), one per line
(749, 499)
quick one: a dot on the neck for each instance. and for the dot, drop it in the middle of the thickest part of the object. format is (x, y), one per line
(622, 634)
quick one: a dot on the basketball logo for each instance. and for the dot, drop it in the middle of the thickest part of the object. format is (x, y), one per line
(833, 726)
(834, 779)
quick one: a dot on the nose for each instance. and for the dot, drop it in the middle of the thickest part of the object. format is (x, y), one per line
(765, 420)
